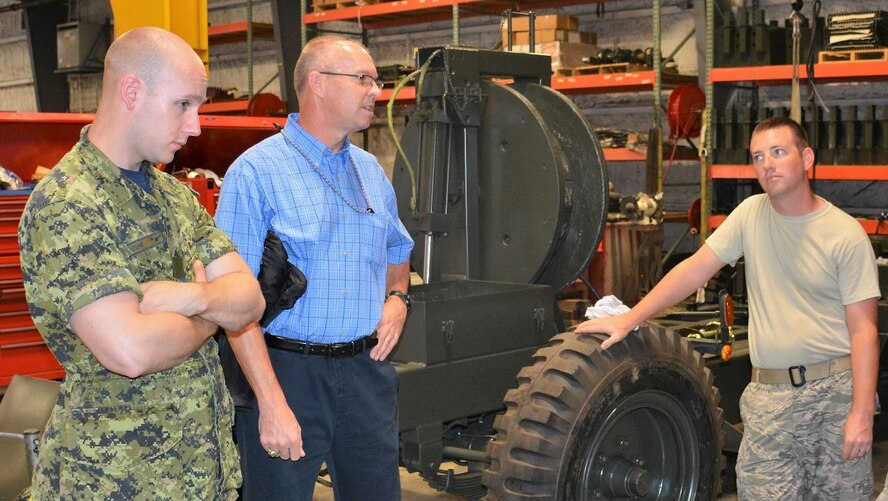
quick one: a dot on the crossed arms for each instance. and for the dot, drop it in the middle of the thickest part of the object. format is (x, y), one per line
(173, 320)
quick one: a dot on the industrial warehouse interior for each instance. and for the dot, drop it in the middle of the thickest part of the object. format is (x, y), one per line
(554, 162)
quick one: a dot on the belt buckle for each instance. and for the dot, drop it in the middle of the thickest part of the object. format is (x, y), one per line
(800, 369)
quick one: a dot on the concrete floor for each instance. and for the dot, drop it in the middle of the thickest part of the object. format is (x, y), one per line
(414, 488)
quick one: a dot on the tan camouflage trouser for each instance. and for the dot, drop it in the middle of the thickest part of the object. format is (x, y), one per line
(792, 443)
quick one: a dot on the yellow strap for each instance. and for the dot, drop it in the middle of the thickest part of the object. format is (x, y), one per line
(795, 106)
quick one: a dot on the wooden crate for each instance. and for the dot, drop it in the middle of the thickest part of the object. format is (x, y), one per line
(845, 56)
(325, 5)
(599, 69)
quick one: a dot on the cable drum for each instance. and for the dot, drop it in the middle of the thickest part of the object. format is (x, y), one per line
(541, 189)
(586, 185)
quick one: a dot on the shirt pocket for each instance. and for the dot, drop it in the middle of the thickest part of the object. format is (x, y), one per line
(372, 239)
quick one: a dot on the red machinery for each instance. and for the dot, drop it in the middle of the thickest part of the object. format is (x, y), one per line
(41, 139)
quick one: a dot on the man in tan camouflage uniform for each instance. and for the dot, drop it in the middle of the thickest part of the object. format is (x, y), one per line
(813, 290)
(112, 253)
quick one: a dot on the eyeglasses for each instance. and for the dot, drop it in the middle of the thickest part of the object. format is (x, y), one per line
(366, 80)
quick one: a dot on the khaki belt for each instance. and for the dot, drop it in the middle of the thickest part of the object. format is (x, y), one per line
(798, 375)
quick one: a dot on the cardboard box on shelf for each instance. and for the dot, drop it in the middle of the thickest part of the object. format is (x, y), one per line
(549, 28)
(564, 54)
(555, 35)
(548, 22)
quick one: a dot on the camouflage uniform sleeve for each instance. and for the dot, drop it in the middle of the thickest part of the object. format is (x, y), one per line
(73, 256)
(210, 242)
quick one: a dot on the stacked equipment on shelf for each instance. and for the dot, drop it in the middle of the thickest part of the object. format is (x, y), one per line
(858, 30)
(751, 40)
(846, 135)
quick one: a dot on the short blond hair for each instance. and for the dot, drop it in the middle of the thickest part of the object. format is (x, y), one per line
(318, 55)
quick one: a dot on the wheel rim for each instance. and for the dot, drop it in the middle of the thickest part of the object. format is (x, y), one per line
(645, 448)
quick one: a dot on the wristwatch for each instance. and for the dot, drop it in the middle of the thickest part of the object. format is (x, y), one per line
(402, 296)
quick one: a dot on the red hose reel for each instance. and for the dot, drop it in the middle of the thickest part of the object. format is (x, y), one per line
(684, 111)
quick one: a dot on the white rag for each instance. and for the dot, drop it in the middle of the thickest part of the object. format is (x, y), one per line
(608, 306)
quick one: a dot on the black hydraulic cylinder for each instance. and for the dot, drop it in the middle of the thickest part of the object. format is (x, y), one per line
(866, 138)
(848, 136)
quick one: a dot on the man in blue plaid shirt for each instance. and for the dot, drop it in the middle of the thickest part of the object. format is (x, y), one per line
(324, 391)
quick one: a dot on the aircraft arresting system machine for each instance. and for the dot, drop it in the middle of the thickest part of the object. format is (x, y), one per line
(503, 186)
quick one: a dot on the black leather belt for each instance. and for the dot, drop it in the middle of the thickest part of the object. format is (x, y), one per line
(333, 350)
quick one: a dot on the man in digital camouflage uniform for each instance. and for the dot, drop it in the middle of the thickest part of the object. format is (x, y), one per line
(112, 254)
(813, 291)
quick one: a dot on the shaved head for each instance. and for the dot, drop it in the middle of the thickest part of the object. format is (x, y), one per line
(145, 52)
(153, 86)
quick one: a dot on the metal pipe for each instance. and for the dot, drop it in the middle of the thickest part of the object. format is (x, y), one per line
(433, 203)
(706, 136)
(465, 454)
(471, 205)
(428, 203)
(532, 26)
(680, 45)
(32, 444)
(272, 79)
(674, 246)
(257, 55)
(509, 29)
(13, 39)
(658, 94)
(250, 49)
(455, 24)
(16, 83)
(426, 199)
(303, 30)
(427, 258)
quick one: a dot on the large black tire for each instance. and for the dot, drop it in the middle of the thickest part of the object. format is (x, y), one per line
(639, 420)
